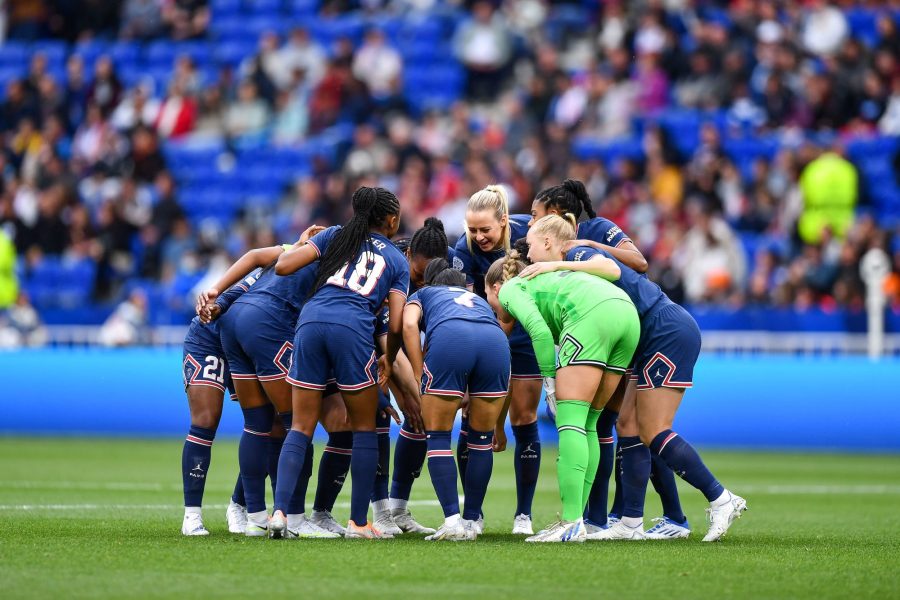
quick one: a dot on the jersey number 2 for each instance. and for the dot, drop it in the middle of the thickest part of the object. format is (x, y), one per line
(360, 270)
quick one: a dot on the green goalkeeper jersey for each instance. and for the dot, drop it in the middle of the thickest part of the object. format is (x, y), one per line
(550, 303)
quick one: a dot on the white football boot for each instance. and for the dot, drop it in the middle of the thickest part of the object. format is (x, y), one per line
(193, 524)
(560, 532)
(404, 520)
(667, 529)
(721, 514)
(619, 531)
(236, 515)
(325, 520)
(522, 525)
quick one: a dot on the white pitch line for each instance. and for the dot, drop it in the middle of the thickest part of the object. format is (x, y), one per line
(77, 507)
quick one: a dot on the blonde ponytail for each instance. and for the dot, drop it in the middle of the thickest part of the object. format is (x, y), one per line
(495, 199)
(504, 269)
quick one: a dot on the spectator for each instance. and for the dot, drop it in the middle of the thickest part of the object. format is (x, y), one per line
(377, 64)
(127, 325)
(138, 108)
(186, 19)
(830, 188)
(105, 90)
(824, 28)
(710, 259)
(248, 115)
(50, 235)
(177, 113)
(141, 19)
(146, 159)
(9, 285)
(484, 46)
(21, 326)
(300, 53)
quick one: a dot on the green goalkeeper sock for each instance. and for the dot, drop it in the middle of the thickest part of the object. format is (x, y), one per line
(593, 458)
(571, 417)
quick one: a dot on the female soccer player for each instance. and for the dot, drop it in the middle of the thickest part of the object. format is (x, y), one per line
(596, 328)
(427, 243)
(490, 232)
(631, 458)
(465, 350)
(663, 369)
(358, 269)
(206, 377)
(256, 334)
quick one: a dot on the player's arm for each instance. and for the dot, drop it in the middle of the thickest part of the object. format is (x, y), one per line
(227, 298)
(412, 341)
(520, 305)
(259, 257)
(596, 265)
(630, 256)
(626, 252)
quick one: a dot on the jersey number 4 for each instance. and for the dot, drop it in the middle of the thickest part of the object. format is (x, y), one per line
(360, 270)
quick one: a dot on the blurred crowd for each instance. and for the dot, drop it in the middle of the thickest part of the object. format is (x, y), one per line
(84, 173)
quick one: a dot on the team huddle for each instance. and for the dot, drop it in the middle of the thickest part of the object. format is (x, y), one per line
(555, 303)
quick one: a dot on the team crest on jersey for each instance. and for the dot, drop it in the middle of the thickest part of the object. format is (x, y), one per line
(190, 368)
(458, 263)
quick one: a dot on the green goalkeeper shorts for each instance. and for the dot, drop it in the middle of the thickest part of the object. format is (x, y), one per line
(606, 337)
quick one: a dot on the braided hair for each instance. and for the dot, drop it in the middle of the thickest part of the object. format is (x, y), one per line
(568, 197)
(439, 272)
(504, 269)
(371, 206)
(430, 241)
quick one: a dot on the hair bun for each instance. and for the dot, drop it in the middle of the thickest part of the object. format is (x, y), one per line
(434, 267)
(434, 223)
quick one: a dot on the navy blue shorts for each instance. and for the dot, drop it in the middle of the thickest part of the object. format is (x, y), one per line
(463, 355)
(523, 361)
(203, 360)
(668, 350)
(257, 347)
(325, 351)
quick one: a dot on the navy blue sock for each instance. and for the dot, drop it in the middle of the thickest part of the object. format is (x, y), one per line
(635, 475)
(527, 465)
(333, 469)
(238, 495)
(297, 505)
(363, 464)
(616, 508)
(687, 464)
(275, 445)
(253, 455)
(481, 463)
(383, 472)
(599, 497)
(195, 463)
(409, 456)
(443, 471)
(663, 480)
(290, 468)
(462, 450)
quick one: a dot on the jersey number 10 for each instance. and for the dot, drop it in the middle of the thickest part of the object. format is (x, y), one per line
(360, 270)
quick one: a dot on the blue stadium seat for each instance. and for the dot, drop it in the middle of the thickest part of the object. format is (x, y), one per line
(55, 51)
(301, 8)
(14, 53)
(232, 52)
(863, 25)
(264, 7)
(224, 7)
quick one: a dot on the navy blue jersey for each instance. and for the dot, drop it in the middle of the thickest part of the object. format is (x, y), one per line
(354, 295)
(229, 296)
(282, 297)
(646, 295)
(602, 231)
(475, 262)
(440, 303)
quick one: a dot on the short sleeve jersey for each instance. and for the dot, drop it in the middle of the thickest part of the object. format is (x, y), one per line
(282, 296)
(646, 295)
(602, 231)
(354, 294)
(440, 304)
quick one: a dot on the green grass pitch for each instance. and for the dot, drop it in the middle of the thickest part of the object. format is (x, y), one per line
(87, 518)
